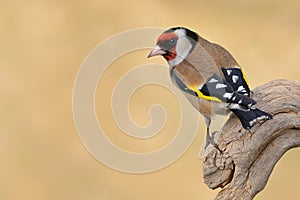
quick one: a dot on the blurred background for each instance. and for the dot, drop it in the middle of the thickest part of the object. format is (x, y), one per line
(42, 46)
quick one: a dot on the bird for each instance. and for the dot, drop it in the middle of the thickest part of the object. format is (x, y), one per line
(209, 76)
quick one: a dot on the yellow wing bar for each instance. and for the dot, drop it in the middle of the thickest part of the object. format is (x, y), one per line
(201, 95)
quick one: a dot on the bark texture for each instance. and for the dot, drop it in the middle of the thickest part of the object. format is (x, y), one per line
(248, 158)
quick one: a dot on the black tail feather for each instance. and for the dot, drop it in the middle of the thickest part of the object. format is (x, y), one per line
(249, 117)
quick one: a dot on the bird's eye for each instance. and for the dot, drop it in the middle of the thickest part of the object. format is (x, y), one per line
(173, 41)
(167, 44)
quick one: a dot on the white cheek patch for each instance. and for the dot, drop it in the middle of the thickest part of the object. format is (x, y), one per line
(183, 47)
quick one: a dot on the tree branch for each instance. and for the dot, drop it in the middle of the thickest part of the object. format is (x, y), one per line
(248, 158)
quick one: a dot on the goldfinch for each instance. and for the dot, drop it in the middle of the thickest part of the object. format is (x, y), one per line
(209, 76)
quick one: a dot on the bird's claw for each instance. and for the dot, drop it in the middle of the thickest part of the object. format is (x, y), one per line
(211, 140)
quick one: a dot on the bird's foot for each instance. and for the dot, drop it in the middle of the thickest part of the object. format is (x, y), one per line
(251, 132)
(211, 140)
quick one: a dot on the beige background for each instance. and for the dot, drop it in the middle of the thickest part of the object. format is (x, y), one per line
(42, 45)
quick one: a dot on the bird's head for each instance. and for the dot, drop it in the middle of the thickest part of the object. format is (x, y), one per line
(175, 44)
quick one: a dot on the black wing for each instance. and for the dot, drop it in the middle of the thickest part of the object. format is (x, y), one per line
(217, 87)
(236, 78)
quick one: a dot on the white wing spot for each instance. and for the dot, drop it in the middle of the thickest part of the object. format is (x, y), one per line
(229, 72)
(212, 80)
(253, 122)
(220, 85)
(240, 101)
(234, 106)
(262, 118)
(235, 78)
(241, 88)
(227, 95)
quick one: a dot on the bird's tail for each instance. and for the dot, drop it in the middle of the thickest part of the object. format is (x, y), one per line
(249, 117)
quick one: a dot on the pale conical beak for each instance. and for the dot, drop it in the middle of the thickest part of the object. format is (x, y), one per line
(156, 51)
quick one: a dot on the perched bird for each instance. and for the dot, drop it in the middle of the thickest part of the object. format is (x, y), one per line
(209, 76)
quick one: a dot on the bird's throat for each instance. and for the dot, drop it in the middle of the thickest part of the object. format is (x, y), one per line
(169, 56)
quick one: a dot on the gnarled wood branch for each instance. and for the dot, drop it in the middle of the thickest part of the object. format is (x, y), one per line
(248, 158)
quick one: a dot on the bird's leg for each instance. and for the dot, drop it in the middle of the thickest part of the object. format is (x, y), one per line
(210, 139)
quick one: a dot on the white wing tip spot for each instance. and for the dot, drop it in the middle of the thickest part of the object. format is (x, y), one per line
(212, 80)
(227, 95)
(235, 78)
(220, 85)
(229, 72)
